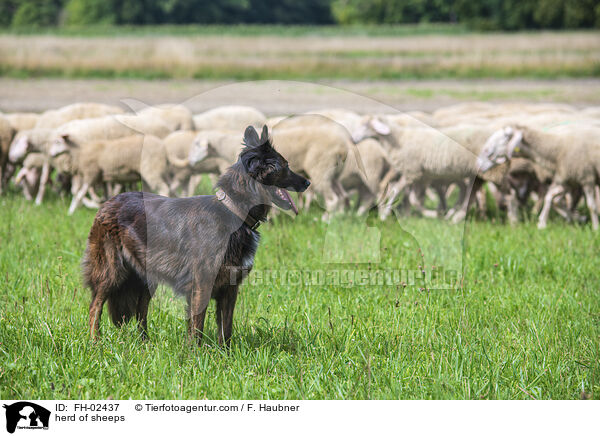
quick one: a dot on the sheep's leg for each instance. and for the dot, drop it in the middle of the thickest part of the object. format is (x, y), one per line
(462, 192)
(343, 196)
(442, 197)
(175, 185)
(450, 190)
(538, 201)
(553, 191)
(512, 205)
(90, 204)
(365, 200)
(481, 202)
(564, 208)
(575, 196)
(22, 179)
(43, 181)
(163, 189)
(384, 185)
(78, 198)
(597, 191)
(112, 190)
(331, 200)
(462, 212)
(75, 184)
(385, 207)
(307, 198)
(431, 194)
(416, 201)
(157, 185)
(590, 199)
(193, 183)
(95, 197)
(32, 181)
(116, 189)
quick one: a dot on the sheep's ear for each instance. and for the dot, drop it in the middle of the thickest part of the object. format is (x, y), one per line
(264, 137)
(380, 127)
(250, 137)
(67, 140)
(513, 145)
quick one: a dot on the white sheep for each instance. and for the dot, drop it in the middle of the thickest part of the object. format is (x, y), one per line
(424, 156)
(33, 141)
(122, 160)
(572, 154)
(178, 146)
(319, 149)
(22, 120)
(6, 135)
(235, 118)
(54, 118)
(365, 177)
(175, 116)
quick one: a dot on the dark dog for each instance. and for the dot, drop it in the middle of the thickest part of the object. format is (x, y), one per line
(201, 246)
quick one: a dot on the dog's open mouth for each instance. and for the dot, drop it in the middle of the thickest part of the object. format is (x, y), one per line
(285, 200)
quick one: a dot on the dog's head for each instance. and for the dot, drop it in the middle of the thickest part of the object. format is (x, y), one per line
(270, 170)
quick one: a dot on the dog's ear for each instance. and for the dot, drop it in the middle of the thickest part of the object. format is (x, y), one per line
(251, 161)
(264, 137)
(250, 137)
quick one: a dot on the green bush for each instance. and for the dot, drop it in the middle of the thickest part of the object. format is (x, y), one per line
(36, 13)
(81, 12)
(480, 15)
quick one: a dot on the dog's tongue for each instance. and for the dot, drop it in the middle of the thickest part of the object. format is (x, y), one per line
(289, 199)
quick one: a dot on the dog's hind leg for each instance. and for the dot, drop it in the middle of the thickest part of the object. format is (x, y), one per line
(225, 306)
(99, 296)
(141, 313)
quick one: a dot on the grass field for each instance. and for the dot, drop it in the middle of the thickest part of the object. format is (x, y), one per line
(525, 324)
(311, 53)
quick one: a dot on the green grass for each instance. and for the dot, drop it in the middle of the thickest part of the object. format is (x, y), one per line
(525, 324)
(243, 30)
(316, 72)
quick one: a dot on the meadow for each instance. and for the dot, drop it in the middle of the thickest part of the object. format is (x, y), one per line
(525, 324)
(296, 52)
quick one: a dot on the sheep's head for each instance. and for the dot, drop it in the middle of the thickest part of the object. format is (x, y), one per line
(60, 144)
(199, 150)
(499, 148)
(19, 148)
(371, 127)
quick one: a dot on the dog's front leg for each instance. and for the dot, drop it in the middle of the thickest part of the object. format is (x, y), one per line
(196, 313)
(225, 306)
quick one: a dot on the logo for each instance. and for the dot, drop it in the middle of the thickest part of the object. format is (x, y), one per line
(26, 415)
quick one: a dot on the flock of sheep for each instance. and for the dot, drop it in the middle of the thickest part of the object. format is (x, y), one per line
(536, 156)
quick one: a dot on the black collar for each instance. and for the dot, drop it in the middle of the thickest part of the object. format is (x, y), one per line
(250, 221)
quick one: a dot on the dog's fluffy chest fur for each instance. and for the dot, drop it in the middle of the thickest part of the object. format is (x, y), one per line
(250, 252)
(243, 244)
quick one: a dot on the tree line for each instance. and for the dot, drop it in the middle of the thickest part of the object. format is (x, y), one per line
(479, 14)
